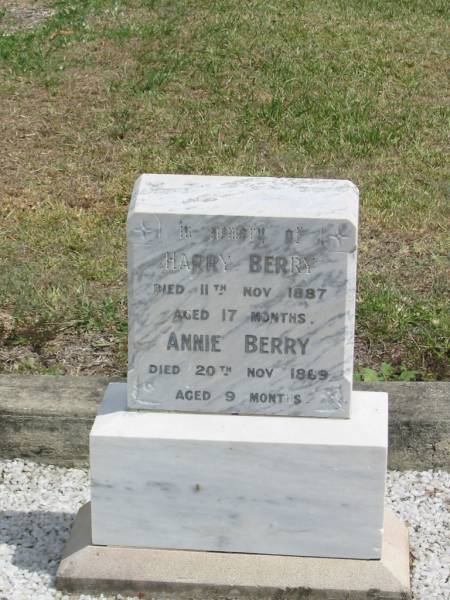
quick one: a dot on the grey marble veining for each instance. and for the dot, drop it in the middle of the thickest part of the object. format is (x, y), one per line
(254, 484)
(242, 295)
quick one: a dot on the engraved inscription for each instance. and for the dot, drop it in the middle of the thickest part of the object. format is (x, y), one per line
(196, 263)
(239, 314)
(287, 265)
(187, 342)
(232, 233)
(294, 236)
(275, 345)
(277, 317)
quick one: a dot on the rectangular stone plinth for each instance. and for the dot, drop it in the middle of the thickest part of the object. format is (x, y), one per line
(242, 295)
(183, 574)
(253, 484)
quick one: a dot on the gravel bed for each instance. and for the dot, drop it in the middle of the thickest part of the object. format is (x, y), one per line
(38, 504)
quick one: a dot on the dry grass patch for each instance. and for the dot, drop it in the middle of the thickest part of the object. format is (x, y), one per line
(65, 354)
(17, 15)
(60, 142)
(101, 91)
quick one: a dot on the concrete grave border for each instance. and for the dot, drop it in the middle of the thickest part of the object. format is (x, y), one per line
(48, 419)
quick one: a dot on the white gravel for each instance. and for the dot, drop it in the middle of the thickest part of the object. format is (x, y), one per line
(38, 504)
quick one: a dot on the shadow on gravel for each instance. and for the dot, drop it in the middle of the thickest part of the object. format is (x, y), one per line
(38, 538)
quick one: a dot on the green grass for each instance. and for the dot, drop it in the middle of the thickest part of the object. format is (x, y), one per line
(101, 91)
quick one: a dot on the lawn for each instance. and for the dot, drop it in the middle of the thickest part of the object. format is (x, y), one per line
(95, 92)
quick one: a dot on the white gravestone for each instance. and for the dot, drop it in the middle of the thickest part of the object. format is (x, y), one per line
(241, 300)
(279, 481)
(242, 295)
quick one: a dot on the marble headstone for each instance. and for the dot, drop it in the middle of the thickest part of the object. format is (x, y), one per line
(242, 295)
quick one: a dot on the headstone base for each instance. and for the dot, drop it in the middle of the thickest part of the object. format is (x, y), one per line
(183, 575)
(248, 484)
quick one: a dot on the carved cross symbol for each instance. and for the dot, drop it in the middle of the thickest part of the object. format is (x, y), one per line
(327, 238)
(146, 232)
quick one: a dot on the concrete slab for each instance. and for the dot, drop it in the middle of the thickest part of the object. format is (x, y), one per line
(182, 575)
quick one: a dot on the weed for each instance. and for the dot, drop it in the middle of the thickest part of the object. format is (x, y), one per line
(386, 372)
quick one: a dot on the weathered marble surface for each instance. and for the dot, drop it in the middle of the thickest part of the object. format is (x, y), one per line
(212, 233)
(255, 484)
